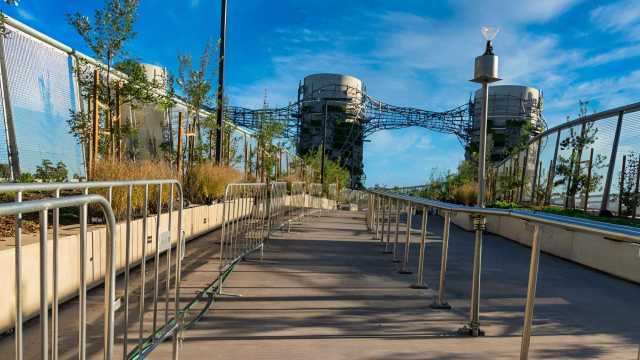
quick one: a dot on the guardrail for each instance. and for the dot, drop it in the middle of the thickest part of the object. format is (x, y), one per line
(380, 206)
(148, 339)
(42, 207)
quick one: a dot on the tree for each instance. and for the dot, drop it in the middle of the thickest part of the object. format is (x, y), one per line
(106, 35)
(630, 178)
(47, 172)
(268, 148)
(196, 84)
(112, 27)
(333, 171)
(568, 168)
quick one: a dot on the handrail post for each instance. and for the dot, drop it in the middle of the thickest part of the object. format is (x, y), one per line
(531, 293)
(386, 244)
(473, 328)
(440, 303)
(423, 238)
(407, 243)
(395, 242)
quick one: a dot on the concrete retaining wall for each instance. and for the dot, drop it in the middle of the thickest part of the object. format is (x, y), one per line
(196, 221)
(612, 257)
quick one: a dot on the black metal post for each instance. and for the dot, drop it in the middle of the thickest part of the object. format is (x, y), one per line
(220, 99)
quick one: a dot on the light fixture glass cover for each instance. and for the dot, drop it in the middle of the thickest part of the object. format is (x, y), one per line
(489, 32)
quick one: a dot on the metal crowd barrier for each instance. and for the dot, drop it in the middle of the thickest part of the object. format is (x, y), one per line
(245, 222)
(297, 199)
(385, 206)
(315, 196)
(278, 209)
(42, 207)
(148, 336)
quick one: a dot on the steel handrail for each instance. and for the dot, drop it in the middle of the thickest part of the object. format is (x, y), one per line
(617, 232)
(377, 214)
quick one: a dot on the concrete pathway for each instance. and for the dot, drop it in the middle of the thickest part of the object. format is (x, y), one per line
(326, 291)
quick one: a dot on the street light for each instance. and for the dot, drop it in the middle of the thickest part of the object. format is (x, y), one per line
(485, 72)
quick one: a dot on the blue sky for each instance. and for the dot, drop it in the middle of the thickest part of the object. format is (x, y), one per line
(411, 52)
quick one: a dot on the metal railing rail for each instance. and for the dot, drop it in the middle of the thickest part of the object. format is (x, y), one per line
(19, 208)
(158, 332)
(380, 206)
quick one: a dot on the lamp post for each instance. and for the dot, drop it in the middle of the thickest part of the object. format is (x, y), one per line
(486, 71)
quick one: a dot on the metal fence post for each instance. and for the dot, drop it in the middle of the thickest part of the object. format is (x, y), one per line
(440, 302)
(423, 238)
(604, 205)
(407, 243)
(386, 245)
(531, 293)
(473, 328)
(395, 242)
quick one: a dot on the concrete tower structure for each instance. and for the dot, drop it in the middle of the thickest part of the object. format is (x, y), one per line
(332, 108)
(515, 115)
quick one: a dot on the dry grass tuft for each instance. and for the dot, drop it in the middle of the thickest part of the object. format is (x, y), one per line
(466, 193)
(129, 170)
(206, 181)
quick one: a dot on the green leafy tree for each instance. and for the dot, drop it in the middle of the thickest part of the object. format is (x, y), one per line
(569, 168)
(195, 81)
(629, 192)
(47, 172)
(106, 34)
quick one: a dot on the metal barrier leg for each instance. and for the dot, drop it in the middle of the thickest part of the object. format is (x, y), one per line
(531, 293)
(407, 243)
(440, 302)
(473, 328)
(44, 328)
(395, 242)
(423, 238)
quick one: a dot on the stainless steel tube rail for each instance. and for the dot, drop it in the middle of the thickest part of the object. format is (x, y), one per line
(153, 338)
(42, 207)
(297, 200)
(376, 204)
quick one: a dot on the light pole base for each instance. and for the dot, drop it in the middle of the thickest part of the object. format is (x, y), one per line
(419, 286)
(438, 306)
(473, 331)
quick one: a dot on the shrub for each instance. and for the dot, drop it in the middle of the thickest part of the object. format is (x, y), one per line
(206, 181)
(465, 193)
(129, 170)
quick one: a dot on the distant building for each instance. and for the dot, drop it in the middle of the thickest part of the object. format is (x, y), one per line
(515, 115)
(337, 100)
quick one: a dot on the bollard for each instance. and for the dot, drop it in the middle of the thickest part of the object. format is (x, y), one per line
(395, 243)
(407, 243)
(423, 238)
(531, 293)
(473, 328)
(440, 302)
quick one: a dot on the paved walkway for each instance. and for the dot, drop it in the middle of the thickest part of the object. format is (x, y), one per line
(326, 291)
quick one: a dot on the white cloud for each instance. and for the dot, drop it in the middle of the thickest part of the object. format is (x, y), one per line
(615, 54)
(25, 14)
(622, 16)
(194, 3)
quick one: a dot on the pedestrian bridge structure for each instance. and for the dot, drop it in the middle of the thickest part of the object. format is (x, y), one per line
(371, 283)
